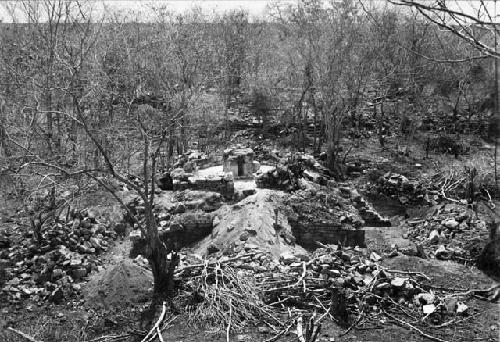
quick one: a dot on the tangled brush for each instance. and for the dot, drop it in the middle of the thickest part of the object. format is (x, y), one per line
(224, 299)
(475, 178)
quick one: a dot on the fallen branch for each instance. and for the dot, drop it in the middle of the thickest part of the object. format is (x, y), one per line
(448, 198)
(451, 289)
(475, 291)
(356, 322)
(450, 322)
(25, 336)
(158, 331)
(281, 333)
(430, 337)
(408, 272)
(300, 332)
(110, 338)
(226, 292)
(167, 324)
(312, 329)
(400, 307)
(327, 312)
(229, 323)
(181, 269)
(155, 330)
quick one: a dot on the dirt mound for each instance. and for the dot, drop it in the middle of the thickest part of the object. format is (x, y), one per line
(251, 223)
(122, 284)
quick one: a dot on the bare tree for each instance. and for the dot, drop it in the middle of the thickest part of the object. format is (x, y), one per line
(477, 25)
(231, 52)
(77, 56)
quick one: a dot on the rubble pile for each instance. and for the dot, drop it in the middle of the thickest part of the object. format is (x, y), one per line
(290, 169)
(191, 160)
(310, 163)
(317, 281)
(342, 205)
(168, 204)
(370, 216)
(476, 123)
(450, 232)
(280, 178)
(356, 168)
(401, 188)
(324, 205)
(223, 183)
(347, 269)
(183, 217)
(68, 252)
(203, 200)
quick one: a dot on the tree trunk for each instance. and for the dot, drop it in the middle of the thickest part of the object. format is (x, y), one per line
(226, 114)
(183, 139)
(496, 163)
(331, 161)
(333, 123)
(162, 268)
(3, 134)
(57, 138)
(3, 142)
(50, 128)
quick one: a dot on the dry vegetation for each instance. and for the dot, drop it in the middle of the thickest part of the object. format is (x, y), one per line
(370, 123)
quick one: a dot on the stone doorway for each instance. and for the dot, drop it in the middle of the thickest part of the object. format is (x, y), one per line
(241, 166)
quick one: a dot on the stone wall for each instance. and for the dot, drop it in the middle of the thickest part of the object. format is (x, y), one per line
(232, 167)
(184, 230)
(239, 161)
(189, 228)
(307, 234)
(221, 184)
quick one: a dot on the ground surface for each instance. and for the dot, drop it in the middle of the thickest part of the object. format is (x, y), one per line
(114, 296)
(483, 325)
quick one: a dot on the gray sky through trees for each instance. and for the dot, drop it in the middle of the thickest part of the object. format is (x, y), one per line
(255, 8)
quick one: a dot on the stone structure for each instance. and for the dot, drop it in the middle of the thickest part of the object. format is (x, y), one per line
(239, 161)
(188, 228)
(306, 235)
(223, 184)
(184, 230)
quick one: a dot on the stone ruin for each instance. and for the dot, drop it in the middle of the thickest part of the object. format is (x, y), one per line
(182, 231)
(239, 161)
(223, 183)
(179, 180)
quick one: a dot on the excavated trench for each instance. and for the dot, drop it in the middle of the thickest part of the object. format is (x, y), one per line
(309, 234)
(386, 205)
(315, 223)
(346, 230)
(184, 231)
